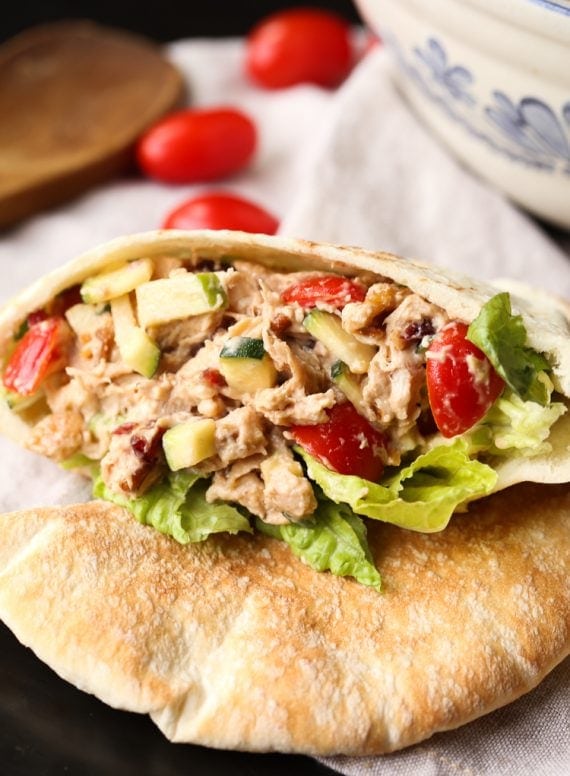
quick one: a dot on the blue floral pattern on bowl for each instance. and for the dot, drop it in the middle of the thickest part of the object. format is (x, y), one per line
(528, 131)
(455, 80)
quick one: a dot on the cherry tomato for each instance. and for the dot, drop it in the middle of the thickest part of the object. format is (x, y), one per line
(333, 290)
(221, 211)
(299, 45)
(346, 443)
(40, 352)
(197, 145)
(462, 384)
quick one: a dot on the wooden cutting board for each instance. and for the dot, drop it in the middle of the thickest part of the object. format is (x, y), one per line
(74, 97)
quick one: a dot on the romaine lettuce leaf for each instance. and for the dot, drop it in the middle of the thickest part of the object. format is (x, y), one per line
(177, 506)
(502, 337)
(420, 497)
(333, 540)
(517, 427)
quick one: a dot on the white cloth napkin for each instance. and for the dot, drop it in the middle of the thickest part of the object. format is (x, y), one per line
(353, 167)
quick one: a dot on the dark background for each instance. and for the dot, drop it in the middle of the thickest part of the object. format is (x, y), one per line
(162, 21)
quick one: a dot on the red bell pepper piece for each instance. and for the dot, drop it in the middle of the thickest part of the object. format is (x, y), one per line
(41, 351)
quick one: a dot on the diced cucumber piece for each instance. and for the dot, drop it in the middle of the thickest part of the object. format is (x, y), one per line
(84, 318)
(180, 296)
(327, 328)
(137, 349)
(189, 443)
(243, 347)
(246, 366)
(348, 384)
(116, 282)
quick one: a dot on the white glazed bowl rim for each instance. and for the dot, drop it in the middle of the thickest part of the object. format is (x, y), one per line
(549, 18)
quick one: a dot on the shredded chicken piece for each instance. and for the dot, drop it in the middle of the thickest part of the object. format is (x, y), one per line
(189, 386)
(96, 345)
(288, 495)
(164, 265)
(413, 309)
(242, 288)
(115, 390)
(130, 464)
(178, 340)
(240, 483)
(300, 399)
(286, 406)
(58, 435)
(365, 319)
(70, 396)
(240, 434)
(396, 376)
(273, 488)
(135, 397)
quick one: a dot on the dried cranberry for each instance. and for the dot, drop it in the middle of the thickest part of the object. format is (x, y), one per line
(417, 330)
(36, 317)
(147, 447)
(66, 299)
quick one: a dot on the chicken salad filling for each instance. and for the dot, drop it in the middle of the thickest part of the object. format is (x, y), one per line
(208, 396)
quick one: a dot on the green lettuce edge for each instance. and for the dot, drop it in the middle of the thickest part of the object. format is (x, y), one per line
(177, 506)
(421, 496)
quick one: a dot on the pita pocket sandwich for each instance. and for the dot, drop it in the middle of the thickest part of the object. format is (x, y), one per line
(294, 543)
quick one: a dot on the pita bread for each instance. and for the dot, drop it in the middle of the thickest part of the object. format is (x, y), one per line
(236, 644)
(548, 330)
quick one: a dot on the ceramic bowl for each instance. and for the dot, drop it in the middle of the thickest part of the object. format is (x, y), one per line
(492, 79)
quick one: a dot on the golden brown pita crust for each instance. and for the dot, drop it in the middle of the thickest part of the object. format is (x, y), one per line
(235, 643)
